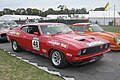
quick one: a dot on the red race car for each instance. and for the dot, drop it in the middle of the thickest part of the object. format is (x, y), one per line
(58, 42)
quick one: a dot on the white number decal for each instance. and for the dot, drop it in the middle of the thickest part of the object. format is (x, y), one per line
(35, 43)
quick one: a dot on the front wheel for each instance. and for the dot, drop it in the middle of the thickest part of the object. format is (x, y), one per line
(15, 46)
(58, 59)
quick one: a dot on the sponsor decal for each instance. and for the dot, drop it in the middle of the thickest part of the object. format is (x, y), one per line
(17, 33)
(68, 54)
(12, 32)
(35, 43)
(63, 45)
(44, 50)
(54, 43)
(94, 43)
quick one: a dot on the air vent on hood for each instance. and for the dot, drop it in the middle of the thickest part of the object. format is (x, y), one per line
(81, 40)
(92, 38)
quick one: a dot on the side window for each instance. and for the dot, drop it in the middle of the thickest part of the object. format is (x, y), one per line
(24, 28)
(46, 30)
(32, 29)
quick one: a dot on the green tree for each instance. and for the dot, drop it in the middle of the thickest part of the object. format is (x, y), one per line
(1, 13)
(29, 11)
(83, 10)
(7, 11)
(35, 12)
(21, 11)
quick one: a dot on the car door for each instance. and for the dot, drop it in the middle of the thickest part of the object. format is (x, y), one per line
(31, 41)
(22, 37)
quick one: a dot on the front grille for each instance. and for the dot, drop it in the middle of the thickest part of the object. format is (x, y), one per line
(95, 49)
(3, 35)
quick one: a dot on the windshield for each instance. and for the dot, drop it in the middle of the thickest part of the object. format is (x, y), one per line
(3, 25)
(95, 28)
(55, 29)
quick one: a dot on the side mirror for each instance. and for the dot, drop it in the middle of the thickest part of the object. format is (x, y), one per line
(36, 33)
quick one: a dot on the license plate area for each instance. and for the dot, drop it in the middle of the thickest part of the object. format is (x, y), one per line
(93, 59)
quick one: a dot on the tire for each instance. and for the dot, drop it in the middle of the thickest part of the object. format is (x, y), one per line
(15, 46)
(57, 59)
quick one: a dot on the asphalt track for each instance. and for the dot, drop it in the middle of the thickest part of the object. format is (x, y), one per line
(107, 68)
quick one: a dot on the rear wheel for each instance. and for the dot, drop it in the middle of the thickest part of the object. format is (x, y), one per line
(15, 46)
(58, 59)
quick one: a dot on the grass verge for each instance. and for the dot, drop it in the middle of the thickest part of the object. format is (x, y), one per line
(112, 29)
(12, 68)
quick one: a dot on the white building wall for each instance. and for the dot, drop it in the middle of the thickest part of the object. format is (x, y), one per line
(104, 21)
(104, 17)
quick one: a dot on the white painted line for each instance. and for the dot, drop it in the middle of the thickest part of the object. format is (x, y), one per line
(18, 57)
(4, 50)
(68, 78)
(13, 55)
(33, 64)
(53, 72)
(43, 68)
(9, 52)
(25, 60)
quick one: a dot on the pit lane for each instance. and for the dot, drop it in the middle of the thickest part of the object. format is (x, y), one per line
(107, 68)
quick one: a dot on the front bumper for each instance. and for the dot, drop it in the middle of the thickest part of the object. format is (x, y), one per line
(115, 47)
(88, 57)
(88, 60)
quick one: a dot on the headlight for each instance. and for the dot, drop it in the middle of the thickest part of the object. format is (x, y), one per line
(101, 46)
(115, 39)
(106, 46)
(79, 52)
(84, 51)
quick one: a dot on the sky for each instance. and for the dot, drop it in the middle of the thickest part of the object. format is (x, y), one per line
(45, 4)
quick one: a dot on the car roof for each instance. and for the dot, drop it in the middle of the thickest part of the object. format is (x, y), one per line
(48, 23)
(77, 24)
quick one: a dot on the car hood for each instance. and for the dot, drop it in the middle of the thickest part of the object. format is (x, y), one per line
(113, 34)
(77, 39)
(106, 34)
(4, 30)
